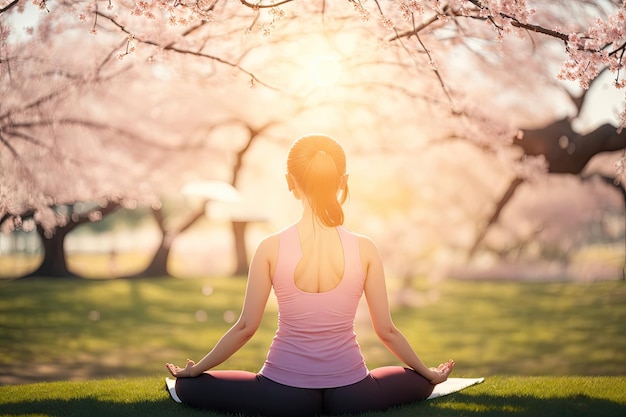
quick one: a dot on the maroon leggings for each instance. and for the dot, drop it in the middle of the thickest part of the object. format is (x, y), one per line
(254, 395)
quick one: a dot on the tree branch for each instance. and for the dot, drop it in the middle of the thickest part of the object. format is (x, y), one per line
(430, 58)
(9, 6)
(258, 5)
(191, 220)
(495, 215)
(253, 134)
(160, 221)
(533, 28)
(538, 29)
(83, 219)
(27, 138)
(514, 22)
(173, 48)
(9, 147)
(36, 103)
(434, 18)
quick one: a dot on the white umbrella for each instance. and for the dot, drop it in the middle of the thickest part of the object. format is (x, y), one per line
(212, 190)
(243, 210)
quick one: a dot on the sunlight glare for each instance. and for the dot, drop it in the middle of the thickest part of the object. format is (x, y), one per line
(324, 71)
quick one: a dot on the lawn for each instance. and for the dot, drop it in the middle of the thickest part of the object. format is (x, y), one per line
(544, 348)
(497, 396)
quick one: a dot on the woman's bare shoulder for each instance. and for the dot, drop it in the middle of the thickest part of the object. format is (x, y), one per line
(368, 252)
(366, 243)
(269, 244)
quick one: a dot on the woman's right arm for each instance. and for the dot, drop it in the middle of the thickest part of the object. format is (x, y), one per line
(387, 332)
(257, 292)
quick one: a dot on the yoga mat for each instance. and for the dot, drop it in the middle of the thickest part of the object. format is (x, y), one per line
(445, 388)
(453, 385)
(170, 383)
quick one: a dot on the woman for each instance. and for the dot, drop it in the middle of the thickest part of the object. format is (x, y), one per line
(319, 271)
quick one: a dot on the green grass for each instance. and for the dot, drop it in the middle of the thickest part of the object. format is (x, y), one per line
(545, 348)
(85, 329)
(497, 396)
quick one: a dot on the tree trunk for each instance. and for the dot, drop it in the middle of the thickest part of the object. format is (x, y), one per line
(239, 233)
(504, 200)
(565, 151)
(613, 182)
(158, 264)
(54, 264)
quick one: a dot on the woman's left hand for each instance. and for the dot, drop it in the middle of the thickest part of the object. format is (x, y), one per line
(440, 373)
(179, 372)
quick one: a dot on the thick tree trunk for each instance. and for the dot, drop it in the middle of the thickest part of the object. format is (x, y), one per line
(565, 151)
(158, 265)
(54, 264)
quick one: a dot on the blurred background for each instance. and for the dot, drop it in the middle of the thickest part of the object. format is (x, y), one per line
(146, 142)
(102, 132)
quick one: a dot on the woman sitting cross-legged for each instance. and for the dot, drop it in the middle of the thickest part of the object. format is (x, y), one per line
(319, 270)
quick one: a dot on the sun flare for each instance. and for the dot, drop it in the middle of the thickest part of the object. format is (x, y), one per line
(324, 71)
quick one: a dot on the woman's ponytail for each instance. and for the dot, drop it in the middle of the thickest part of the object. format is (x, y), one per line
(318, 165)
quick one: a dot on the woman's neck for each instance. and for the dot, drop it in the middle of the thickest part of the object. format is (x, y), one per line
(310, 221)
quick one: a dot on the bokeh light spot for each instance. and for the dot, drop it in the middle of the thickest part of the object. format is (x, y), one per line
(230, 316)
(201, 315)
(94, 315)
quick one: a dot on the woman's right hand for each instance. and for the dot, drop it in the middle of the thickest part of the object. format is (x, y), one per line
(440, 373)
(179, 372)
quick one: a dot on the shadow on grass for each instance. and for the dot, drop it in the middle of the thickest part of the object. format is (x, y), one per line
(455, 405)
(461, 404)
(95, 407)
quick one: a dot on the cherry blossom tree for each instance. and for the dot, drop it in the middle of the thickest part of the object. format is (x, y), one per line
(563, 150)
(414, 54)
(63, 163)
(589, 32)
(53, 176)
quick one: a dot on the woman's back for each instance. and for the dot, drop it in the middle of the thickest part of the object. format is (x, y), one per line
(315, 345)
(322, 264)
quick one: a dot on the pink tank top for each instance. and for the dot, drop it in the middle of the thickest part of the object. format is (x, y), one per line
(315, 345)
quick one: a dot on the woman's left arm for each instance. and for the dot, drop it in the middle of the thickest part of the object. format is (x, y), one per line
(392, 338)
(257, 292)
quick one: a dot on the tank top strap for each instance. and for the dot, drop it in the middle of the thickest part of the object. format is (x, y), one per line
(289, 254)
(352, 255)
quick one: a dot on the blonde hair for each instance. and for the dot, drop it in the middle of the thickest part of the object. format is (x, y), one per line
(318, 163)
